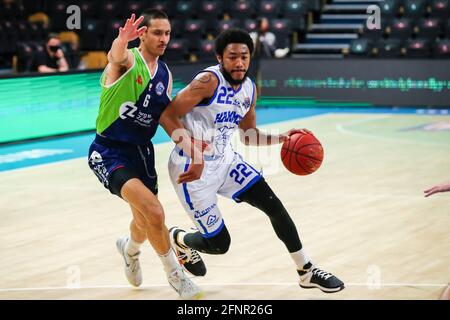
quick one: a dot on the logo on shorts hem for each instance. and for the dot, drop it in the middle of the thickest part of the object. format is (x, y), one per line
(201, 213)
(212, 220)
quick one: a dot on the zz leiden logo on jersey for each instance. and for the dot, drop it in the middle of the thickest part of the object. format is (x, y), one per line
(129, 110)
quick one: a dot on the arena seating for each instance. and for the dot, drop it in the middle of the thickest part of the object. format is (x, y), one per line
(310, 28)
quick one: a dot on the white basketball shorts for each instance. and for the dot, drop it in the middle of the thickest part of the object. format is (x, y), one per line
(228, 176)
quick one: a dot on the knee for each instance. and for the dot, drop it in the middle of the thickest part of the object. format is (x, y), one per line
(154, 216)
(274, 208)
(261, 196)
(220, 244)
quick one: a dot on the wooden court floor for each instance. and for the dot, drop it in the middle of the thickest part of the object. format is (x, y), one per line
(361, 216)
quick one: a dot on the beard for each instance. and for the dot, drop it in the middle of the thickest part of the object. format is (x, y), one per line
(230, 79)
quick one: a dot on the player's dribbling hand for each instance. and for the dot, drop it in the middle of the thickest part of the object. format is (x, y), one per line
(193, 173)
(285, 136)
(130, 30)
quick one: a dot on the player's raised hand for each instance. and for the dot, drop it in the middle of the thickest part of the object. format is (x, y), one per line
(130, 30)
(436, 189)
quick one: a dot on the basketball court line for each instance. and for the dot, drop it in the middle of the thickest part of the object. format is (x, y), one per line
(265, 120)
(336, 194)
(76, 155)
(343, 128)
(257, 285)
(372, 286)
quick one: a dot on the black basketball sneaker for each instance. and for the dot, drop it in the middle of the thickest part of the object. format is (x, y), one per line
(189, 259)
(313, 277)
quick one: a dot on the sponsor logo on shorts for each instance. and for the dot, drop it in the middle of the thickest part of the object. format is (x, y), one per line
(95, 158)
(97, 165)
(201, 213)
(212, 220)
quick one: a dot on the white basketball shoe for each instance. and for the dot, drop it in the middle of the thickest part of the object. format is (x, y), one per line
(184, 286)
(132, 266)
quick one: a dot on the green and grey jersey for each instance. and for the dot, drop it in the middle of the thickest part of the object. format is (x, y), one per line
(130, 107)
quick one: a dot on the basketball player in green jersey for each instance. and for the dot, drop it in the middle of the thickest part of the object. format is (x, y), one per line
(136, 88)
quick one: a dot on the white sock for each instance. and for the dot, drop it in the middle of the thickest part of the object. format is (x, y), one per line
(170, 261)
(132, 247)
(299, 258)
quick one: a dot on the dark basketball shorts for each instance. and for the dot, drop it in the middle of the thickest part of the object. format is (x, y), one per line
(115, 162)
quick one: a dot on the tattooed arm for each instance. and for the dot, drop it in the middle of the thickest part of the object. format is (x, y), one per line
(202, 87)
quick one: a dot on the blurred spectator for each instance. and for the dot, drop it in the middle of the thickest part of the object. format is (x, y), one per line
(25, 57)
(263, 39)
(75, 56)
(52, 58)
(264, 42)
(70, 43)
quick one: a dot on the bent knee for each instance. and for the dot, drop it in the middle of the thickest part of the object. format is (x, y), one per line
(154, 215)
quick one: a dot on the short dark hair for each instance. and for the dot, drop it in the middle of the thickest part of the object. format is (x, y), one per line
(233, 35)
(150, 14)
(52, 35)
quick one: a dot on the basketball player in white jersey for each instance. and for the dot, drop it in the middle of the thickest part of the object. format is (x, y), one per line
(220, 100)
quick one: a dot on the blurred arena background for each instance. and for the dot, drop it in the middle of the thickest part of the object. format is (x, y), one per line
(378, 99)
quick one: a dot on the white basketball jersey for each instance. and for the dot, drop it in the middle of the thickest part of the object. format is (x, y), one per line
(216, 120)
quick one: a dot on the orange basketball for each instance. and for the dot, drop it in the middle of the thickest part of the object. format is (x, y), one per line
(302, 154)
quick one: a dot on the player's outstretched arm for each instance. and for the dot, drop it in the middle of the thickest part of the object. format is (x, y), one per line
(202, 87)
(119, 57)
(250, 135)
(436, 189)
